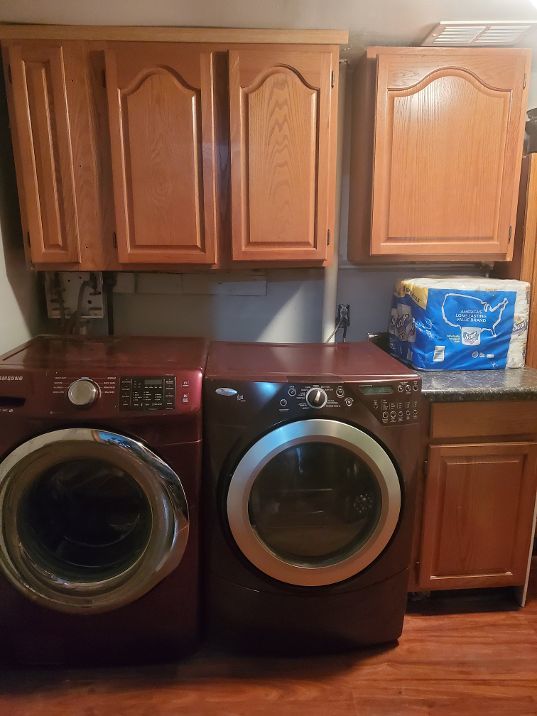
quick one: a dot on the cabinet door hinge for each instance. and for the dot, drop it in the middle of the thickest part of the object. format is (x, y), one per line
(328, 237)
(114, 239)
(510, 233)
(9, 75)
(332, 79)
(524, 83)
(425, 466)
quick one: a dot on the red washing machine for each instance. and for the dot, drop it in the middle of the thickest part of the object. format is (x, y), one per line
(100, 444)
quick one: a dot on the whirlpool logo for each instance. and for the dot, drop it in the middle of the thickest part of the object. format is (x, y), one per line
(11, 377)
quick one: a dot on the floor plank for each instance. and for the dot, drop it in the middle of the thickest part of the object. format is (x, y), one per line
(463, 653)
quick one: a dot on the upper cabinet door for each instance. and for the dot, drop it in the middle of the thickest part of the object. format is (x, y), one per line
(448, 144)
(45, 157)
(163, 152)
(282, 127)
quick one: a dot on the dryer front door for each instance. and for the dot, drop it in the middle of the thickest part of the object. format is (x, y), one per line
(89, 520)
(314, 502)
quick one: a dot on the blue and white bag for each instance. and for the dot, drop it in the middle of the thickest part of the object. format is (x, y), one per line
(460, 323)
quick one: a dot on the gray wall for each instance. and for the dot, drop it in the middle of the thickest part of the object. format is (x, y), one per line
(19, 299)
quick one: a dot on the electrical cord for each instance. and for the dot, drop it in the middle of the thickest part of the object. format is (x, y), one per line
(336, 329)
(73, 324)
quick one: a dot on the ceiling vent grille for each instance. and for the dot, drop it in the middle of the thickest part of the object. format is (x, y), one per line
(479, 34)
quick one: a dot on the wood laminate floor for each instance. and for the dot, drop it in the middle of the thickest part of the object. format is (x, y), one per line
(465, 654)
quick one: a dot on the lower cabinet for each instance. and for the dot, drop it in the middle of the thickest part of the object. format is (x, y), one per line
(478, 513)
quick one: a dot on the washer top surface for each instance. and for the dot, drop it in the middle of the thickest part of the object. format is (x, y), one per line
(73, 352)
(337, 361)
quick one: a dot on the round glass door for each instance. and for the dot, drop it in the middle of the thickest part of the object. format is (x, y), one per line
(90, 520)
(314, 502)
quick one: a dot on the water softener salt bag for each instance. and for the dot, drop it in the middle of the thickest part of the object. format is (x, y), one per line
(460, 323)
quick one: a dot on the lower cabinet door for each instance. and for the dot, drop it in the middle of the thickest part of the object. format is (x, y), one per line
(478, 515)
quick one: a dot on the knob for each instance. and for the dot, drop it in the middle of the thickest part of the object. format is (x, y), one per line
(316, 398)
(83, 392)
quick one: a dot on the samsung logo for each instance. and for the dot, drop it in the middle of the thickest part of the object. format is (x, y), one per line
(11, 377)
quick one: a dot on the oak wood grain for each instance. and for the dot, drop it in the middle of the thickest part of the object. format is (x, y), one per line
(524, 263)
(477, 515)
(282, 125)
(447, 143)
(163, 152)
(45, 151)
(172, 34)
(480, 419)
(459, 654)
(83, 67)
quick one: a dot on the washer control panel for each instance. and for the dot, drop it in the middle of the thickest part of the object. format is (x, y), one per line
(391, 402)
(148, 393)
(107, 394)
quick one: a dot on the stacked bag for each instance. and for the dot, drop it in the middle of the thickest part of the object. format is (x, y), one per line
(460, 323)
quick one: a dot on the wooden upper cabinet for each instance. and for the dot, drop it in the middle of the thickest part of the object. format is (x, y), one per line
(282, 126)
(45, 166)
(478, 515)
(163, 152)
(447, 146)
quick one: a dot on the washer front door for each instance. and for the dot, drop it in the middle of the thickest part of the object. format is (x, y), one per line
(89, 520)
(314, 502)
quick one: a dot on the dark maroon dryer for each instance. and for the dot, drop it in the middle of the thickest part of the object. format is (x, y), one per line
(100, 444)
(311, 455)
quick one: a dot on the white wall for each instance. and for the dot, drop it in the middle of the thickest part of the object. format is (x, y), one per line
(19, 302)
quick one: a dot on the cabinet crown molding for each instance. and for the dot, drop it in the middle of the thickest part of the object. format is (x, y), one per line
(172, 34)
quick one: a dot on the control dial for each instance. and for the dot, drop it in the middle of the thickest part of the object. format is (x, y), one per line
(83, 393)
(316, 398)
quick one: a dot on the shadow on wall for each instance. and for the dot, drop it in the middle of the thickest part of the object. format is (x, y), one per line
(19, 314)
(289, 311)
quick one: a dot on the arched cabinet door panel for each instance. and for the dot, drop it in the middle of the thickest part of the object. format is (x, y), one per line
(43, 137)
(163, 152)
(282, 126)
(448, 145)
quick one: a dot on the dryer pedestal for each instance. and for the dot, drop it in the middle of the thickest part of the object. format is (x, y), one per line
(306, 622)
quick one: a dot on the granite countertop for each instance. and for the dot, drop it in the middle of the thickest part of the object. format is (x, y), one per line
(464, 385)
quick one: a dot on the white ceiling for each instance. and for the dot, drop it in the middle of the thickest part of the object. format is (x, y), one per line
(369, 21)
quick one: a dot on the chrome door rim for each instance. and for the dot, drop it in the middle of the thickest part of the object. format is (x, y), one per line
(303, 432)
(165, 545)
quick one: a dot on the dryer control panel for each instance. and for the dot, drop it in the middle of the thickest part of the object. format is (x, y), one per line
(391, 402)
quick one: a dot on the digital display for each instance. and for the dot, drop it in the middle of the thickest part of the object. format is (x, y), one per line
(376, 390)
(153, 382)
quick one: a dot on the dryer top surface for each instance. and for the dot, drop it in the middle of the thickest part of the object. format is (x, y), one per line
(266, 361)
